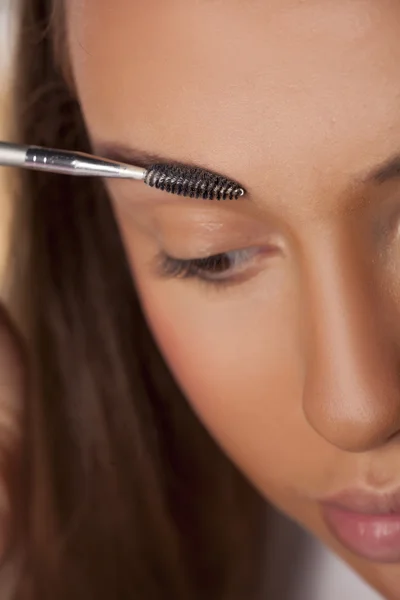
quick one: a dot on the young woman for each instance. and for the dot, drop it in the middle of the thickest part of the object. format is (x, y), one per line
(190, 359)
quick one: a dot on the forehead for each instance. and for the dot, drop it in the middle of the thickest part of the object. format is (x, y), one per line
(242, 84)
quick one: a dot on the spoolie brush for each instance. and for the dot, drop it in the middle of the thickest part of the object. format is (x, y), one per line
(181, 180)
(192, 182)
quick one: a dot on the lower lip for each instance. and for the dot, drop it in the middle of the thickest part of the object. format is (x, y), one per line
(374, 537)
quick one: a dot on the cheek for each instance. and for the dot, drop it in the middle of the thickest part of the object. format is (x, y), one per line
(235, 354)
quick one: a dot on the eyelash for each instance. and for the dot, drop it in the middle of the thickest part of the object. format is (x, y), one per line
(214, 270)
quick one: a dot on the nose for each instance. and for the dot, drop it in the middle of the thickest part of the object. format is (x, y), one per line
(351, 391)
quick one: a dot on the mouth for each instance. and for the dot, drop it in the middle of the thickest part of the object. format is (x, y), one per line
(366, 523)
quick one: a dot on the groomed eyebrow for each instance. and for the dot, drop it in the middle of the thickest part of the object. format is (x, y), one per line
(386, 171)
(143, 159)
(178, 178)
(134, 156)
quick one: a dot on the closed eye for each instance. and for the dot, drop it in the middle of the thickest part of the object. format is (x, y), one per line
(218, 269)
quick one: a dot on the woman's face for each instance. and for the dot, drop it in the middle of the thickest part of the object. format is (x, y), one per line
(288, 347)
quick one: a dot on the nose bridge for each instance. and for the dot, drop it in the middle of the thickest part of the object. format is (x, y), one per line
(351, 394)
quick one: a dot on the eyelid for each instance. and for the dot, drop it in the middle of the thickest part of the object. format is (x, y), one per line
(204, 232)
(222, 270)
(194, 229)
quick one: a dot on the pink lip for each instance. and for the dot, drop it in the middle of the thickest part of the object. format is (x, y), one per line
(365, 523)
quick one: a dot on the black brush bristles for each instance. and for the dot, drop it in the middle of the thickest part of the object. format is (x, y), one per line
(192, 182)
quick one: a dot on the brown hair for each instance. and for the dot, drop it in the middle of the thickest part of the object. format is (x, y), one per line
(125, 494)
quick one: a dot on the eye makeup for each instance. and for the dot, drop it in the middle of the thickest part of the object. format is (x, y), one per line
(222, 268)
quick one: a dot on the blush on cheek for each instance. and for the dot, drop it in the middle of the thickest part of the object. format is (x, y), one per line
(239, 376)
(188, 348)
(235, 355)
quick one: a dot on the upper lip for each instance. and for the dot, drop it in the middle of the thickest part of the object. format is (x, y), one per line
(365, 502)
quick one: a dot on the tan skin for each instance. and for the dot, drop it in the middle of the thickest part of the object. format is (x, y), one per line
(291, 356)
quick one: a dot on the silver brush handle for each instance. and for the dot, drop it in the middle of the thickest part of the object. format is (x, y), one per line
(12, 155)
(65, 162)
(179, 179)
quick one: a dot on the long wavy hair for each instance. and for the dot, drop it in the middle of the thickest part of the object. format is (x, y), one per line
(125, 495)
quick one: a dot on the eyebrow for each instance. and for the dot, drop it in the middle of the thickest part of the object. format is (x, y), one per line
(143, 159)
(386, 171)
(132, 156)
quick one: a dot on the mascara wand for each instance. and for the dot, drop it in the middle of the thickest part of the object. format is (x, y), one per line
(181, 180)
